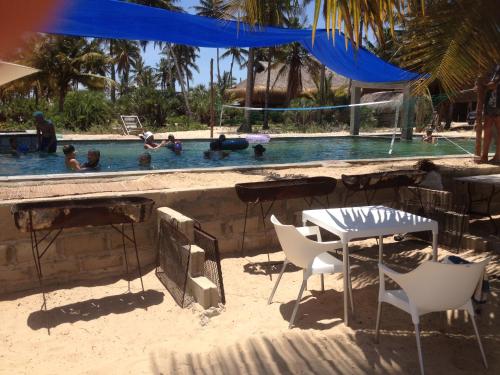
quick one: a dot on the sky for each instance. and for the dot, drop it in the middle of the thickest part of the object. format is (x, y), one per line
(152, 56)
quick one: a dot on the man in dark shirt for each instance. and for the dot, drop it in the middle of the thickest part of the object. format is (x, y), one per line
(46, 133)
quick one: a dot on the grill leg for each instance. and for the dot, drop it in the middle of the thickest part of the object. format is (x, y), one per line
(137, 256)
(244, 230)
(125, 256)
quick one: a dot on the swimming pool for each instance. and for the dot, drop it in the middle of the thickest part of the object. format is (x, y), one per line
(122, 156)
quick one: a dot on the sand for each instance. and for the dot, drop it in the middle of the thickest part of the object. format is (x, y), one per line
(103, 329)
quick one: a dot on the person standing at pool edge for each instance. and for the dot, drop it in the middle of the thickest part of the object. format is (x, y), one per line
(46, 133)
(492, 117)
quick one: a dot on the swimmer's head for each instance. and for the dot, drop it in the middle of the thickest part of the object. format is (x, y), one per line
(222, 137)
(145, 159)
(69, 151)
(93, 156)
(171, 138)
(428, 131)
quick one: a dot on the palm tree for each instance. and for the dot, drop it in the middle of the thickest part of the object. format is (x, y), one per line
(126, 54)
(67, 61)
(238, 55)
(214, 9)
(165, 74)
(186, 57)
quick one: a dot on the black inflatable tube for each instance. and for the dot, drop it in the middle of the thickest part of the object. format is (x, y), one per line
(230, 144)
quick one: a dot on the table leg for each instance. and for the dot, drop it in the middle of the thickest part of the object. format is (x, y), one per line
(380, 249)
(434, 246)
(345, 248)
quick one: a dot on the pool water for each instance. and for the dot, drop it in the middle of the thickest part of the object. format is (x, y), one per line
(122, 156)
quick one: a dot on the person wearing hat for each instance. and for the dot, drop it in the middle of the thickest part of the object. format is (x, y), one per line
(492, 117)
(259, 150)
(149, 141)
(46, 133)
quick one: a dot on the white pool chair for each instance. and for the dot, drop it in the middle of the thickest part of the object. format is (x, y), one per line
(131, 125)
(307, 254)
(431, 287)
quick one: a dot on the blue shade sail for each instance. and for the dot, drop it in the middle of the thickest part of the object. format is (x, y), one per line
(120, 20)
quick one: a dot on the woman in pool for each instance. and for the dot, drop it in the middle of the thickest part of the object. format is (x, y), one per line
(93, 157)
(149, 141)
(70, 158)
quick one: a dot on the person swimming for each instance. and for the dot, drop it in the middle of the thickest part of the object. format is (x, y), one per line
(145, 159)
(70, 158)
(259, 150)
(215, 155)
(17, 149)
(174, 144)
(93, 158)
(428, 137)
(149, 141)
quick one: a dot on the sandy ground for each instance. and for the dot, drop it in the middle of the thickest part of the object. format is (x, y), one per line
(103, 329)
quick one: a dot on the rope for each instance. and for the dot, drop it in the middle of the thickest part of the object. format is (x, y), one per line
(307, 108)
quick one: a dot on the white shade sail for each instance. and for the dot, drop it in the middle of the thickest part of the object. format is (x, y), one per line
(10, 72)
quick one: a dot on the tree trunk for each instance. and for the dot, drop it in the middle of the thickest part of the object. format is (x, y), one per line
(265, 124)
(62, 96)
(181, 80)
(322, 91)
(231, 72)
(113, 74)
(218, 68)
(247, 125)
(479, 116)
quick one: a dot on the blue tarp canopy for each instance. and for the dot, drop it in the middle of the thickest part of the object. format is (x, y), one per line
(121, 20)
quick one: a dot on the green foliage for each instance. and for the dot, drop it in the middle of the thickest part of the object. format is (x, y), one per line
(152, 106)
(84, 109)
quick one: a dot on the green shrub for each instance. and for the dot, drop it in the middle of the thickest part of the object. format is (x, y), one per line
(85, 109)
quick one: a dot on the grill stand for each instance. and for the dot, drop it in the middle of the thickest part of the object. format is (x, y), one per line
(38, 255)
(263, 216)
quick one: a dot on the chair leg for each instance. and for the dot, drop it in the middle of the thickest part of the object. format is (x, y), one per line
(292, 319)
(419, 349)
(350, 286)
(285, 263)
(322, 282)
(479, 340)
(377, 324)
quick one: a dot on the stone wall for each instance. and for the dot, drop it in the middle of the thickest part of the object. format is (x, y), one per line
(88, 254)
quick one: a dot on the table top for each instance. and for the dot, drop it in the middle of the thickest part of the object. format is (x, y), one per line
(490, 179)
(367, 221)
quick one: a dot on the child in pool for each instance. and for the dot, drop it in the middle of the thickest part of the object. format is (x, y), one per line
(70, 158)
(93, 157)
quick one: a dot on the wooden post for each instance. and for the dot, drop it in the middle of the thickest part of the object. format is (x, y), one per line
(212, 100)
(481, 91)
(355, 113)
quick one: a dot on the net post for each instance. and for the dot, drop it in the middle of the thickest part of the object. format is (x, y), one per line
(212, 101)
(355, 112)
(407, 118)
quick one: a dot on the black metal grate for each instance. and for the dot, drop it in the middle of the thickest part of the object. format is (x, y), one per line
(211, 268)
(172, 268)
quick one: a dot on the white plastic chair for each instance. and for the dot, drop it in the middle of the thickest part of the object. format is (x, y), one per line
(307, 254)
(431, 287)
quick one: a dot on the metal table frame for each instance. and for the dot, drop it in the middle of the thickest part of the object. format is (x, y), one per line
(379, 230)
(38, 255)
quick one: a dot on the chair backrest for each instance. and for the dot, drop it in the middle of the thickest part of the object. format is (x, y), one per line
(131, 124)
(294, 244)
(435, 286)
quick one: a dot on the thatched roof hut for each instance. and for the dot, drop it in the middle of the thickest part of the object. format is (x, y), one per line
(279, 85)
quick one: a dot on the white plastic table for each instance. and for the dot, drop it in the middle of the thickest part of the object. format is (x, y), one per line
(350, 223)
